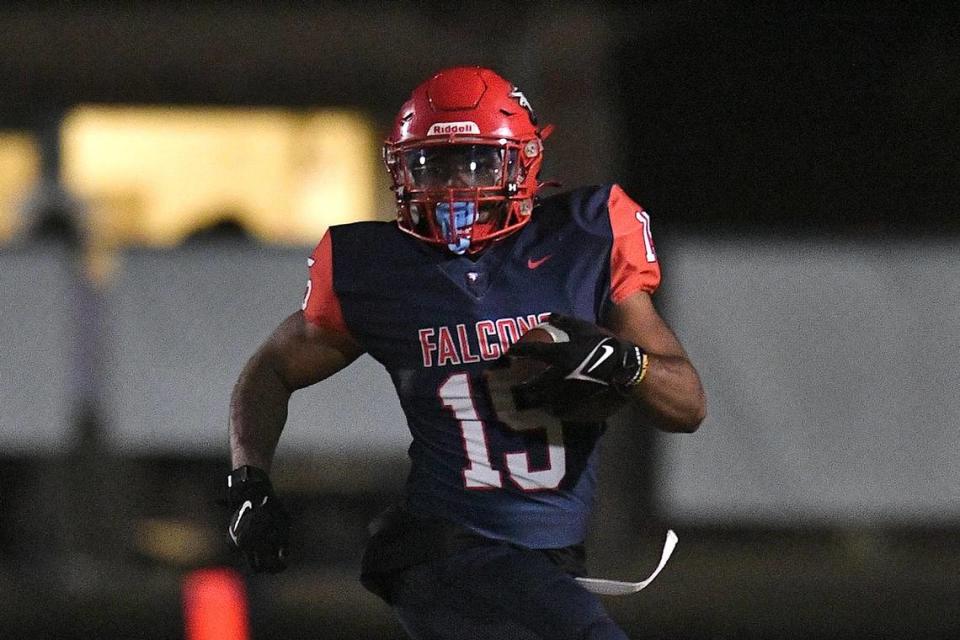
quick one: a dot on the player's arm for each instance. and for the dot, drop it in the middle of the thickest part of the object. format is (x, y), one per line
(307, 347)
(298, 353)
(643, 360)
(595, 369)
(669, 395)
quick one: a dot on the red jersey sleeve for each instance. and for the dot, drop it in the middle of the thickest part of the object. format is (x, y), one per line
(320, 303)
(633, 258)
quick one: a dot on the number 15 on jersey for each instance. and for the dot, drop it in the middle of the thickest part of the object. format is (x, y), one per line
(457, 395)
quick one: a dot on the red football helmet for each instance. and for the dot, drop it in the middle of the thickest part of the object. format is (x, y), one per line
(464, 156)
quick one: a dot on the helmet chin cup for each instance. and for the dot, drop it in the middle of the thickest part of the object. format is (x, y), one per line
(456, 220)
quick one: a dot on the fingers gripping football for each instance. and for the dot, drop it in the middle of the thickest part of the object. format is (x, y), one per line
(588, 370)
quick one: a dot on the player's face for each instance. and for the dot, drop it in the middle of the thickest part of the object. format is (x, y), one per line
(457, 166)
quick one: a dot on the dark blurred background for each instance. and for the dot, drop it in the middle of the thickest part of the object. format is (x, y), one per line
(800, 162)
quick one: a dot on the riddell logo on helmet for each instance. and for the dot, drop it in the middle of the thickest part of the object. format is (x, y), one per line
(451, 128)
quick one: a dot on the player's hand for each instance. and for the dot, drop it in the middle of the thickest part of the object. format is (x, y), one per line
(259, 526)
(590, 364)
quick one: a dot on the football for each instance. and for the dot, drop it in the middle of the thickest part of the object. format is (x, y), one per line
(545, 332)
(524, 406)
(506, 374)
(522, 369)
(518, 403)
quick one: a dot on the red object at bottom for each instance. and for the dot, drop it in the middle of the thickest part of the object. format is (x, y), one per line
(215, 605)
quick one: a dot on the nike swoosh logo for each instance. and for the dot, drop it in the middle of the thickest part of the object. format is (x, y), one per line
(533, 264)
(246, 506)
(580, 374)
(607, 352)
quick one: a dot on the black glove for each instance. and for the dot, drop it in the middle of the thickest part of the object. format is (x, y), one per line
(259, 526)
(590, 374)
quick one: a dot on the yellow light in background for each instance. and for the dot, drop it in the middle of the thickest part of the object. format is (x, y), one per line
(337, 162)
(19, 171)
(151, 175)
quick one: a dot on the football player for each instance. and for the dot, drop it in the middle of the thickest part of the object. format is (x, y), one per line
(489, 536)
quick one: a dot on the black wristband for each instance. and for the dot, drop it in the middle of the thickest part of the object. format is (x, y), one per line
(245, 482)
(634, 369)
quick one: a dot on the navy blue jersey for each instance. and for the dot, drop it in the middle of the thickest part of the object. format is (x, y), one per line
(436, 320)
